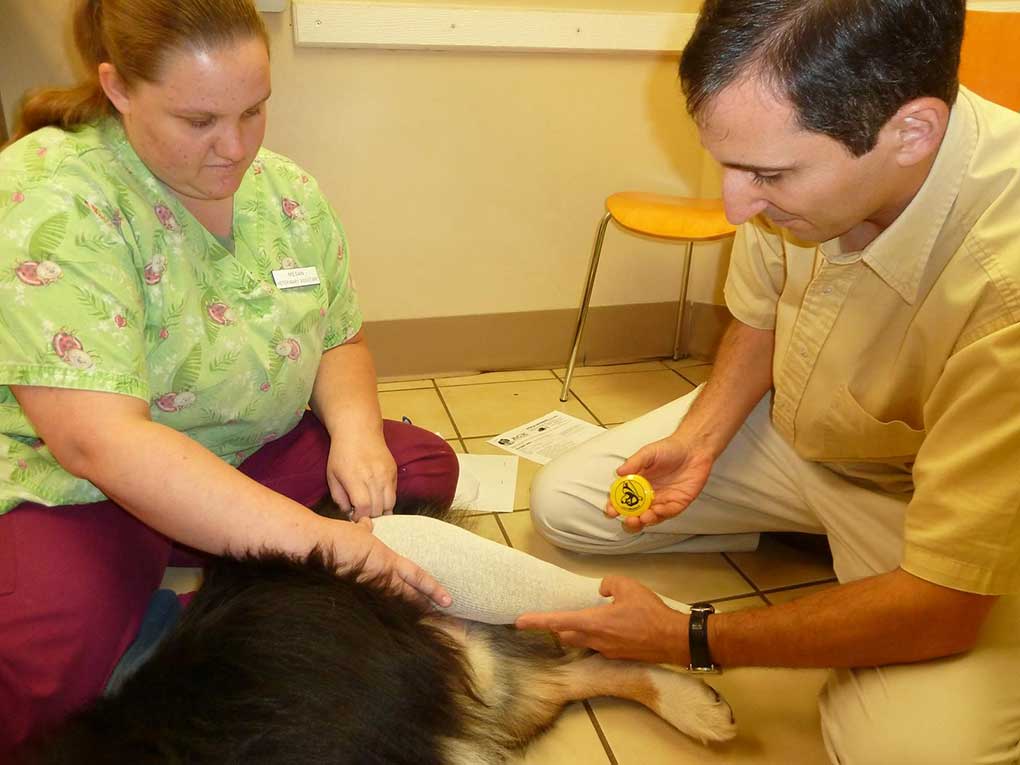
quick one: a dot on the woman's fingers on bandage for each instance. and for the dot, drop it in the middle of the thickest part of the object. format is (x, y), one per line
(420, 585)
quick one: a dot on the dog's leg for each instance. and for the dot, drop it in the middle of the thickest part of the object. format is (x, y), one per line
(525, 680)
(494, 584)
(685, 702)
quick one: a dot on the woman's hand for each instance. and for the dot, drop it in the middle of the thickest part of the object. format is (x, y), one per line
(677, 471)
(357, 549)
(362, 475)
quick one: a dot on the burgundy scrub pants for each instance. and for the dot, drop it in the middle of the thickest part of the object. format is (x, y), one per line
(75, 581)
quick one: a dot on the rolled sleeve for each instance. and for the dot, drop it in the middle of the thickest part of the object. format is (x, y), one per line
(756, 276)
(963, 522)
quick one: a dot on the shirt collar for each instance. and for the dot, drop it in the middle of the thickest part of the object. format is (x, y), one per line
(900, 254)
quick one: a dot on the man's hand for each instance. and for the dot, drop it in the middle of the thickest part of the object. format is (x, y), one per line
(362, 475)
(677, 473)
(637, 625)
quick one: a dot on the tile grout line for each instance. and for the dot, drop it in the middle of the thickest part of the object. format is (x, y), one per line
(503, 531)
(792, 587)
(449, 414)
(599, 732)
(620, 372)
(745, 577)
(433, 381)
(501, 382)
(588, 409)
(810, 583)
(730, 598)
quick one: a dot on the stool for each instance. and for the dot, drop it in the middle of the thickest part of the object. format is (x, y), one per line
(666, 217)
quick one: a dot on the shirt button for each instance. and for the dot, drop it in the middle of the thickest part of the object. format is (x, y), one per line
(827, 291)
(803, 353)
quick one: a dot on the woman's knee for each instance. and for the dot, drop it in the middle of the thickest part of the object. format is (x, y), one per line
(83, 577)
(427, 466)
(60, 647)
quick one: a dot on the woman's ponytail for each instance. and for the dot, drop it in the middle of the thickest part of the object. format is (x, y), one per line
(81, 103)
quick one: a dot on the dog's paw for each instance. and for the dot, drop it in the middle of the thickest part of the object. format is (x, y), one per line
(692, 706)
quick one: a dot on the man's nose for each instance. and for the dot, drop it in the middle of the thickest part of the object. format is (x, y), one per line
(742, 200)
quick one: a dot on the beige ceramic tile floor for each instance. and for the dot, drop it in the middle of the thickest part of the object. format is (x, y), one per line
(776, 710)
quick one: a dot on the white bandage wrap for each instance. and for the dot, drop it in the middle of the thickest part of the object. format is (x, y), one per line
(488, 582)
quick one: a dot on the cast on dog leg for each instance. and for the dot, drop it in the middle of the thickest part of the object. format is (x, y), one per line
(489, 582)
(494, 584)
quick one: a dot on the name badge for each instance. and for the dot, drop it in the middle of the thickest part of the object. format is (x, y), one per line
(288, 278)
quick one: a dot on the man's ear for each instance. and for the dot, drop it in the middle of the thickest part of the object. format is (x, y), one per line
(115, 88)
(917, 129)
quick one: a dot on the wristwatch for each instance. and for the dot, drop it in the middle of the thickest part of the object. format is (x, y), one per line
(697, 638)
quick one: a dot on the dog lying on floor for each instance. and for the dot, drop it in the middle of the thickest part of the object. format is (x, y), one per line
(279, 660)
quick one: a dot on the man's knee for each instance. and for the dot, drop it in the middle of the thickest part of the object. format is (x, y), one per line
(556, 506)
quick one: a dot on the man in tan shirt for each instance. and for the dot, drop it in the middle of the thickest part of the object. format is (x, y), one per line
(868, 387)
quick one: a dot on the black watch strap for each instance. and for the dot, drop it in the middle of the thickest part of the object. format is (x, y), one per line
(697, 637)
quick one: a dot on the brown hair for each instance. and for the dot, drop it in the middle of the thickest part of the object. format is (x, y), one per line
(136, 36)
(846, 66)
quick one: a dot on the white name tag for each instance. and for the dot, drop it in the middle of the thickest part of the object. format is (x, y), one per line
(287, 278)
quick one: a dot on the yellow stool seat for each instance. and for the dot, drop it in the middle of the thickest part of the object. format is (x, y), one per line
(670, 217)
(666, 217)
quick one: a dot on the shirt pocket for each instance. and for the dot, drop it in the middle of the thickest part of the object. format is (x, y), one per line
(850, 432)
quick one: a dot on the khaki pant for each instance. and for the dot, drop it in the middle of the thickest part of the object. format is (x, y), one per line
(959, 710)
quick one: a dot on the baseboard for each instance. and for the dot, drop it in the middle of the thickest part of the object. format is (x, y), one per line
(704, 327)
(539, 339)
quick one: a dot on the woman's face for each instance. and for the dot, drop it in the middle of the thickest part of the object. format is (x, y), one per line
(200, 126)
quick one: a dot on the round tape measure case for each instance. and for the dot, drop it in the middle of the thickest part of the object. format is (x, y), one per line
(631, 494)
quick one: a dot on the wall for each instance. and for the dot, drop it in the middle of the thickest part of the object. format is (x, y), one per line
(470, 183)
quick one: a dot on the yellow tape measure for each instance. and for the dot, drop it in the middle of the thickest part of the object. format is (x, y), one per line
(631, 494)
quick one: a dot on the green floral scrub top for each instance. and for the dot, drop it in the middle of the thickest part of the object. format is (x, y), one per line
(108, 284)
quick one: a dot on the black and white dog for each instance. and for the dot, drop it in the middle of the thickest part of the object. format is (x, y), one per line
(279, 660)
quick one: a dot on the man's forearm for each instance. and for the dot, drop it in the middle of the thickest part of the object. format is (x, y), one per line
(887, 619)
(741, 375)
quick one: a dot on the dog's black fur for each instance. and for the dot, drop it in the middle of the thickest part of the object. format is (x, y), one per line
(267, 645)
(282, 660)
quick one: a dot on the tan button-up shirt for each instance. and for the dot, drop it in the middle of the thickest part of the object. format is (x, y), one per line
(898, 366)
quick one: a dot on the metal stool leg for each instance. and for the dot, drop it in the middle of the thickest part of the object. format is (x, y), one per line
(683, 302)
(582, 314)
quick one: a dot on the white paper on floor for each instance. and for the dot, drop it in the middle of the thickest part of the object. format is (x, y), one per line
(547, 437)
(487, 483)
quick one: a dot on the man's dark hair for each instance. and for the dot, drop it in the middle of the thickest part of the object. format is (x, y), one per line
(846, 66)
